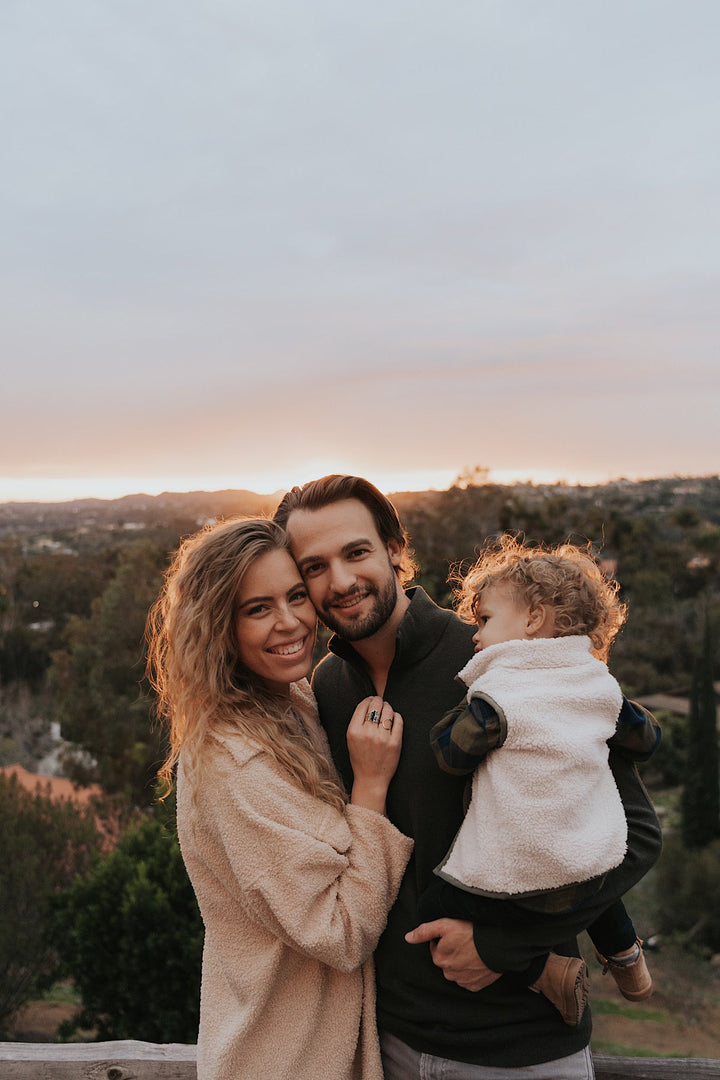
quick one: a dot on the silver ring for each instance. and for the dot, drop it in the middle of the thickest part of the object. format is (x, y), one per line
(374, 716)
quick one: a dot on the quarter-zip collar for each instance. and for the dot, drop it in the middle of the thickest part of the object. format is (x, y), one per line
(421, 628)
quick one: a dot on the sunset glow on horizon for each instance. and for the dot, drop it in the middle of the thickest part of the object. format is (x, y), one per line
(68, 489)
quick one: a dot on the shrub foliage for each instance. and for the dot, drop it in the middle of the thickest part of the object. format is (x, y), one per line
(46, 843)
(130, 936)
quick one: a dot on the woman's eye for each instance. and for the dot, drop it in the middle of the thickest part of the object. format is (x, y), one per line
(299, 597)
(256, 609)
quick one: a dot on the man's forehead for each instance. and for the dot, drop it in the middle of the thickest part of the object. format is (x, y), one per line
(339, 523)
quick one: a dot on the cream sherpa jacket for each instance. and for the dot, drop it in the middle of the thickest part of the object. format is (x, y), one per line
(294, 896)
(545, 811)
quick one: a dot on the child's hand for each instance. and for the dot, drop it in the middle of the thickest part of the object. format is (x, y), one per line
(374, 739)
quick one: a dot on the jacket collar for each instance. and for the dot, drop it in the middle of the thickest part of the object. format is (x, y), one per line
(422, 626)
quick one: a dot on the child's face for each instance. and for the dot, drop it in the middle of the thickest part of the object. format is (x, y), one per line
(500, 617)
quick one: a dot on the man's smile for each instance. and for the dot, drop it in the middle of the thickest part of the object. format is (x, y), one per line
(350, 600)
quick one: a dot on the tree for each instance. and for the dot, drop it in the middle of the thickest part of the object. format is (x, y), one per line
(131, 939)
(103, 700)
(46, 843)
(39, 591)
(472, 477)
(701, 790)
(22, 657)
(687, 892)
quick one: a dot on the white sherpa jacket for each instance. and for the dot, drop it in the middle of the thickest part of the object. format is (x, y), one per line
(294, 896)
(545, 811)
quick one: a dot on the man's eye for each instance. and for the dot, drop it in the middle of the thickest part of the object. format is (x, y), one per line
(311, 569)
(358, 553)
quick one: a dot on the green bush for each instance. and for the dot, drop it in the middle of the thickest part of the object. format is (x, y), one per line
(131, 939)
(687, 884)
(45, 844)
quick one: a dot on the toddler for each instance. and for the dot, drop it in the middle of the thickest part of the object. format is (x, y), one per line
(545, 821)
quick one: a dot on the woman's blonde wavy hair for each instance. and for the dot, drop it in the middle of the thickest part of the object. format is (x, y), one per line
(566, 578)
(193, 666)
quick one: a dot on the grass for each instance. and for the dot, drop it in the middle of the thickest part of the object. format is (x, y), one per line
(62, 993)
(604, 1007)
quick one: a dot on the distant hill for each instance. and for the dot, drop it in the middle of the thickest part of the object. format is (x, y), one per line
(241, 501)
(168, 509)
(483, 508)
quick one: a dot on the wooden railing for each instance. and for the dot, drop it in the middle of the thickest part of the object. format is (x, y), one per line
(174, 1061)
(97, 1061)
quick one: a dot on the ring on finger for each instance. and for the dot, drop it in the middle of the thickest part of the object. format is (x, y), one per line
(387, 723)
(374, 716)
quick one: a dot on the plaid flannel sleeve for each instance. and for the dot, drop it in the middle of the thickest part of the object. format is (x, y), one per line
(467, 734)
(637, 733)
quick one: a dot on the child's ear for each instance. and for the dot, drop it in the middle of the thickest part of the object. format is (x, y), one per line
(540, 621)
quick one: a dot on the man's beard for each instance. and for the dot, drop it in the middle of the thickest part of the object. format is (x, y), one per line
(382, 608)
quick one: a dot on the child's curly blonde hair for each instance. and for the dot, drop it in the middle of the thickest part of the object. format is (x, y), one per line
(566, 578)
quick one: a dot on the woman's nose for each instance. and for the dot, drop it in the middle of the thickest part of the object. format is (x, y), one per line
(286, 617)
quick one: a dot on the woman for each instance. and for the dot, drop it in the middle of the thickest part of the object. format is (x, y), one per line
(294, 880)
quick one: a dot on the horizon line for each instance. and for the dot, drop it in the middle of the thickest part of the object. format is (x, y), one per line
(216, 485)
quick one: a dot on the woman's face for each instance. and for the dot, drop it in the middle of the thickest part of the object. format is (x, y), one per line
(276, 622)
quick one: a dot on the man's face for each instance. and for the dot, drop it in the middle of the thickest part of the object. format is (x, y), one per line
(348, 570)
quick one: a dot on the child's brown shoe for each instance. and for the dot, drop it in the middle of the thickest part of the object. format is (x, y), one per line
(633, 978)
(564, 982)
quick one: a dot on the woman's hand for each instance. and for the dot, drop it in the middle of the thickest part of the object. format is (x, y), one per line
(374, 739)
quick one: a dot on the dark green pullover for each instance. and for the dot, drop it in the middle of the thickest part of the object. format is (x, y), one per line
(506, 1024)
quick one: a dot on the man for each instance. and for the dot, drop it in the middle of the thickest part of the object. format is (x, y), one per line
(442, 1010)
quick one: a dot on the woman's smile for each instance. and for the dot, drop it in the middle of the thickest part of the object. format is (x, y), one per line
(289, 649)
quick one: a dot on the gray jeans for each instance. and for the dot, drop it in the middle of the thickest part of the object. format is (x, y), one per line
(400, 1062)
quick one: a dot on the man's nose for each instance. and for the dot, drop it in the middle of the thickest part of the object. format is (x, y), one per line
(342, 577)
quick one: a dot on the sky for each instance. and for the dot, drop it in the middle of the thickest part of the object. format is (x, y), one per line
(249, 242)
